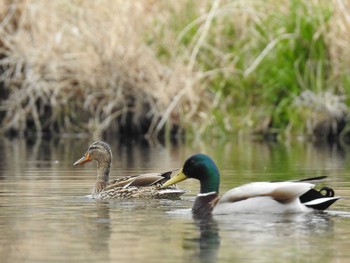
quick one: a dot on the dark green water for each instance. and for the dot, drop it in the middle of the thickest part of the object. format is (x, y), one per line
(46, 217)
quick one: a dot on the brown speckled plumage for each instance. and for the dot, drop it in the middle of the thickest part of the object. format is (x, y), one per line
(140, 186)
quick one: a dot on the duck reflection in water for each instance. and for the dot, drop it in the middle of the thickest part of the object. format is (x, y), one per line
(246, 231)
(209, 240)
(96, 229)
(207, 245)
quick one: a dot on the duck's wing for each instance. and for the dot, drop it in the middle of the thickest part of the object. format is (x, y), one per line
(142, 186)
(317, 199)
(294, 195)
(140, 180)
(280, 191)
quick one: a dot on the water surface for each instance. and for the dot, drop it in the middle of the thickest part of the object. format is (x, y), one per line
(46, 215)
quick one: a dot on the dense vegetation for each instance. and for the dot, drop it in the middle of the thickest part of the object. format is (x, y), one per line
(275, 68)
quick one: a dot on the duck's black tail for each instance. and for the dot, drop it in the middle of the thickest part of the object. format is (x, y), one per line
(319, 200)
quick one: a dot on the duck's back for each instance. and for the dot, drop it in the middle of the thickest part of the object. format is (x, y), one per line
(273, 197)
(141, 186)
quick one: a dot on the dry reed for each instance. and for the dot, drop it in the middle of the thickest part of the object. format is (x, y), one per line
(148, 67)
(83, 66)
(338, 39)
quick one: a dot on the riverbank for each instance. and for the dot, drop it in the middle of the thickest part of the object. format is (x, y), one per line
(278, 69)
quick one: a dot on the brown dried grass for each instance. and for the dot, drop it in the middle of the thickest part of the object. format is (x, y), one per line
(97, 66)
(338, 42)
(83, 66)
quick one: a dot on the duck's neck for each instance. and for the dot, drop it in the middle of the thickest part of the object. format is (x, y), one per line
(103, 170)
(210, 180)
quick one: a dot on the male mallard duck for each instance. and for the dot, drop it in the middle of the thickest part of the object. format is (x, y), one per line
(273, 197)
(141, 186)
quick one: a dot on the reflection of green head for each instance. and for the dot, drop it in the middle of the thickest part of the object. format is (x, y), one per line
(203, 168)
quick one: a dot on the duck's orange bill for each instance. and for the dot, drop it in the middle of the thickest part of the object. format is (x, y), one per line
(86, 158)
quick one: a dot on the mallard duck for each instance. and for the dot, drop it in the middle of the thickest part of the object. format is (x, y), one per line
(140, 186)
(273, 197)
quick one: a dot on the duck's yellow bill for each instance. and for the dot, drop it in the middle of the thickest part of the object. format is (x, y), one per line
(180, 176)
(86, 158)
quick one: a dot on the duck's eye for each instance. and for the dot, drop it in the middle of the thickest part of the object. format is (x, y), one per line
(188, 167)
(191, 162)
(93, 148)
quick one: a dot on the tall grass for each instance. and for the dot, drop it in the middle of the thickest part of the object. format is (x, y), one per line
(150, 67)
(260, 57)
(81, 66)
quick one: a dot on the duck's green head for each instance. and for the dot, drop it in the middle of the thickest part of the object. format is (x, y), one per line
(201, 167)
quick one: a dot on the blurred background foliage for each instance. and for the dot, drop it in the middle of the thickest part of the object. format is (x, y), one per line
(277, 69)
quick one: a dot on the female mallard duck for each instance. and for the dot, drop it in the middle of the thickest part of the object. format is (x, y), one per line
(141, 186)
(273, 197)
